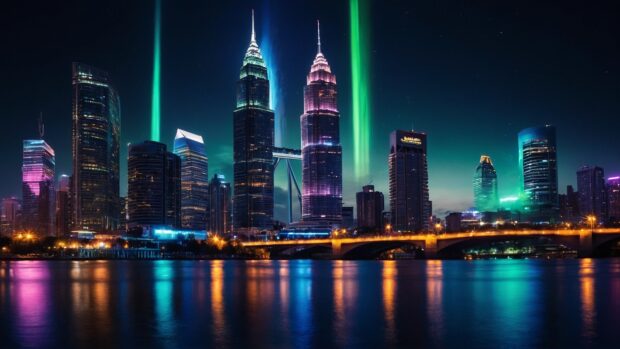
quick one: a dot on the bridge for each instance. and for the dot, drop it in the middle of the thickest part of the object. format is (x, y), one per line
(586, 242)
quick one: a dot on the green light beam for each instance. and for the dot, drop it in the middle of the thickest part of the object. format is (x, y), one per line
(360, 89)
(155, 96)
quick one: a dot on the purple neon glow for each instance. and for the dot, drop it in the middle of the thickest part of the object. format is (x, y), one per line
(613, 178)
(38, 165)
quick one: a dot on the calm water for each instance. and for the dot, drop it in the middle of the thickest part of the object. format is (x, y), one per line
(310, 304)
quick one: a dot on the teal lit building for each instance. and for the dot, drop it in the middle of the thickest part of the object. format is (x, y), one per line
(539, 173)
(486, 198)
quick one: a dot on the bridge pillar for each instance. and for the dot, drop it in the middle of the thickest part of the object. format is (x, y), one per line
(430, 246)
(336, 248)
(585, 243)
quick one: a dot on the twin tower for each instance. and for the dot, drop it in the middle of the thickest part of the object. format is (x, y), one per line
(253, 133)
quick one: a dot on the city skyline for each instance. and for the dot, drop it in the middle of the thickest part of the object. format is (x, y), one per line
(443, 178)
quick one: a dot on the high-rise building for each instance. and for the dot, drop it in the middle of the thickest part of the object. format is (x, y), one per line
(320, 145)
(194, 180)
(613, 199)
(96, 145)
(486, 198)
(63, 205)
(539, 174)
(408, 181)
(370, 204)
(123, 218)
(39, 163)
(253, 141)
(154, 186)
(9, 216)
(592, 192)
(220, 209)
(348, 220)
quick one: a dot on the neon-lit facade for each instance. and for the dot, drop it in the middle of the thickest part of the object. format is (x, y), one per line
(165, 233)
(39, 163)
(96, 150)
(613, 199)
(408, 181)
(539, 173)
(320, 145)
(253, 141)
(486, 198)
(194, 180)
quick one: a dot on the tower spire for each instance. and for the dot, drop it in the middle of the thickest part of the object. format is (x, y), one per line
(253, 39)
(318, 34)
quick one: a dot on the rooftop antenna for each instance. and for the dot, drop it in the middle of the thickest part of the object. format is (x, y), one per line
(318, 32)
(41, 126)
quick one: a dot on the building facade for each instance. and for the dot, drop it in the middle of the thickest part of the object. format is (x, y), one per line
(613, 199)
(39, 163)
(96, 150)
(10, 216)
(253, 141)
(539, 174)
(154, 186)
(220, 209)
(194, 180)
(370, 205)
(408, 181)
(63, 205)
(320, 146)
(592, 191)
(486, 197)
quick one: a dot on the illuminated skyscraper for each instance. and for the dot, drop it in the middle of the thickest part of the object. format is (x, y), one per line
(154, 186)
(63, 205)
(96, 144)
(253, 138)
(194, 180)
(219, 198)
(592, 192)
(370, 209)
(320, 145)
(539, 174)
(38, 168)
(486, 198)
(408, 181)
(613, 199)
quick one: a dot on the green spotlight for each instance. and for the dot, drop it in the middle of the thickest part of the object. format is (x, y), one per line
(360, 87)
(155, 95)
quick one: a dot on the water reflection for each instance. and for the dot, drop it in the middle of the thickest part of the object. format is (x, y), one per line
(30, 288)
(587, 284)
(305, 304)
(389, 274)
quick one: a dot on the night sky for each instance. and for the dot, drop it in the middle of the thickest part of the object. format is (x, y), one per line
(470, 74)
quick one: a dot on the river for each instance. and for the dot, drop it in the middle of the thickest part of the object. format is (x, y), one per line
(310, 304)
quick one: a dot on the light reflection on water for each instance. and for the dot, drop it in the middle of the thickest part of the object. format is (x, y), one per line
(305, 304)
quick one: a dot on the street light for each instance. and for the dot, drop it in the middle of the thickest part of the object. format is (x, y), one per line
(592, 221)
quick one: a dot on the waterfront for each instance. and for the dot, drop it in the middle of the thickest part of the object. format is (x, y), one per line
(305, 304)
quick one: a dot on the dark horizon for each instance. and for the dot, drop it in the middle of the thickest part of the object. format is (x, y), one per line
(470, 76)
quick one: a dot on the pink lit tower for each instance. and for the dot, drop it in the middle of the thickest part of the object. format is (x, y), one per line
(320, 145)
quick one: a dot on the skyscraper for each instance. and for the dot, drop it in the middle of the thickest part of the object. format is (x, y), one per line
(9, 217)
(613, 199)
(539, 174)
(63, 205)
(194, 180)
(219, 197)
(408, 181)
(486, 198)
(154, 185)
(96, 144)
(592, 192)
(39, 163)
(320, 145)
(370, 209)
(253, 137)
